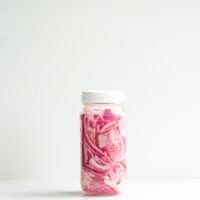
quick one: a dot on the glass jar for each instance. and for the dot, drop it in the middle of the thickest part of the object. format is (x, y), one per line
(103, 142)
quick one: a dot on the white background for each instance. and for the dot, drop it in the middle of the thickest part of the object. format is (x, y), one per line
(52, 50)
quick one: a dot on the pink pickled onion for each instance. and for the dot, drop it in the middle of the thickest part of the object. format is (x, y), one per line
(103, 152)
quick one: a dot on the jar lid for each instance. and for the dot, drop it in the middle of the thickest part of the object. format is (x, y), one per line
(99, 96)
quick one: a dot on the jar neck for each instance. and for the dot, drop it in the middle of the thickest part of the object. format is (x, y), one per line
(117, 107)
(103, 104)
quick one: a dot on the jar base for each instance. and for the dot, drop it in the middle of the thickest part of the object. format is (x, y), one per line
(92, 193)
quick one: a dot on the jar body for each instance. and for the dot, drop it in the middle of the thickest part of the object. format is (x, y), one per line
(103, 149)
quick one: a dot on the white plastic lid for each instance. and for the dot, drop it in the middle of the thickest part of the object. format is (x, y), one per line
(96, 96)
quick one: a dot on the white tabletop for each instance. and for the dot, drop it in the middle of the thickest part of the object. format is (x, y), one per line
(136, 189)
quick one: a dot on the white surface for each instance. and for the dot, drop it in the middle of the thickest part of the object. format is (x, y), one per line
(137, 190)
(52, 50)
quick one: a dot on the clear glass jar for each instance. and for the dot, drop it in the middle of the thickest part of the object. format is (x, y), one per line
(103, 143)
